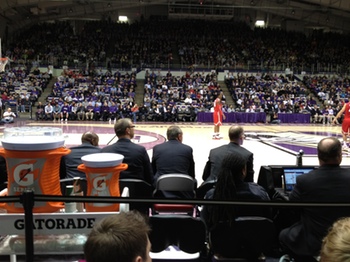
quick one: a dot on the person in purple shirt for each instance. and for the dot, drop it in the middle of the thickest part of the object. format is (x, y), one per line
(56, 112)
(110, 81)
(65, 109)
(113, 112)
(97, 112)
(89, 111)
(105, 111)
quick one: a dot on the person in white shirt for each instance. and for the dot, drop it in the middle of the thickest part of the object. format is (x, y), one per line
(48, 111)
(230, 109)
(8, 116)
(188, 100)
(331, 115)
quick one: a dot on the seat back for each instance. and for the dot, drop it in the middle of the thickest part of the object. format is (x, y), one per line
(185, 232)
(175, 182)
(137, 189)
(265, 179)
(247, 237)
(204, 188)
(175, 186)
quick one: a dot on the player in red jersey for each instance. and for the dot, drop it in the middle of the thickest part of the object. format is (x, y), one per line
(345, 127)
(218, 116)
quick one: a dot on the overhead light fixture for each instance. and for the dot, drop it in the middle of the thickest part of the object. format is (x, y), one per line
(70, 10)
(293, 12)
(252, 2)
(109, 5)
(123, 18)
(260, 23)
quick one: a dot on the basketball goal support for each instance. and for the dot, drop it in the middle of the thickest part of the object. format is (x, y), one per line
(3, 60)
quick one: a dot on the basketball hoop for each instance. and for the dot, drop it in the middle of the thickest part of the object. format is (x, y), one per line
(3, 62)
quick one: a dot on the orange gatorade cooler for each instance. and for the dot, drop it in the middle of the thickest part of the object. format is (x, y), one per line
(33, 156)
(102, 174)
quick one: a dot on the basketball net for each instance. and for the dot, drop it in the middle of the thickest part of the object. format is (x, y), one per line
(3, 62)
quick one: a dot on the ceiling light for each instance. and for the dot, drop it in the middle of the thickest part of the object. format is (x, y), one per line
(123, 18)
(260, 23)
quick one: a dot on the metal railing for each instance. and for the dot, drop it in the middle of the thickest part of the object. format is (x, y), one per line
(29, 198)
(249, 66)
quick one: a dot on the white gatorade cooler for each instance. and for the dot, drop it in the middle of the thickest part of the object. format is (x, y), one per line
(102, 174)
(33, 156)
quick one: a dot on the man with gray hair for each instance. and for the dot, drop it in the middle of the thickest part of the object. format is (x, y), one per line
(173, 157)
(139, 165)
(213, 165)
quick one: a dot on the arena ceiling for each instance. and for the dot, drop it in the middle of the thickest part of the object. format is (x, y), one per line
(331, 15)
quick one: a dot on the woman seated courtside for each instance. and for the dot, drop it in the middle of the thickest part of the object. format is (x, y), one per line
(231, 186)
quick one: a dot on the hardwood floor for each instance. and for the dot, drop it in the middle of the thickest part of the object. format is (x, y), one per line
(271, 144)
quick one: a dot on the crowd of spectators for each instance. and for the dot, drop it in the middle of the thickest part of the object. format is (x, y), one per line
(170, 98)
(179, 98)
(20, 88)
(320, 96)
(190, 43)
(331, 91)
(108, 97)
(78, 96)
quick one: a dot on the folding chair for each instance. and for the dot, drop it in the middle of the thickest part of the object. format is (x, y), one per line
(172, 235)
(246, 239)
(175, 186)
(204, 188)
(137, 189)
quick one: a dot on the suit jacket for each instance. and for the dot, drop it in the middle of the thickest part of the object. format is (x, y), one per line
(326, 184)
(173, 157)
(70, 162)
(139, 165)
(216, 156)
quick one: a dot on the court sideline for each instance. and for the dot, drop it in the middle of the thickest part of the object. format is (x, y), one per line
(271, 144)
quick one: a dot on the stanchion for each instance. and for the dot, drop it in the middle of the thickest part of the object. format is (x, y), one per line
(27, 200)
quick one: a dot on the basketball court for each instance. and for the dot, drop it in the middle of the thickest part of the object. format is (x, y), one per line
(271, 144)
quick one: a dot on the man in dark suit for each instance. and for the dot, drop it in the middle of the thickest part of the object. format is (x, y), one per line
(173, 157)
(328, 183)
(213, 165)
(139, 165)
(70, 162)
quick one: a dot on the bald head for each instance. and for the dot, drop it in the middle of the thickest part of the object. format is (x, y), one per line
(329, 151)
(90, 137)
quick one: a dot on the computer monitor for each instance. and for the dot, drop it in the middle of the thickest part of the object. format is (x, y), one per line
(290, 175)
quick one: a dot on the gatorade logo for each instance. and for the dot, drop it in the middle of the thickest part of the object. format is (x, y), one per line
(24, 173)
(100, 183)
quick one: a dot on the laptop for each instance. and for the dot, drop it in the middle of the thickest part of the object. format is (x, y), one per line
(290, 175)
